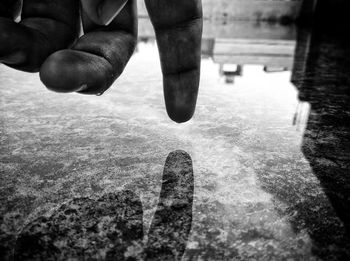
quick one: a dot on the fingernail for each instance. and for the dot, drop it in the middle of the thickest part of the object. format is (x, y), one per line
(107, 10)
(81, 88)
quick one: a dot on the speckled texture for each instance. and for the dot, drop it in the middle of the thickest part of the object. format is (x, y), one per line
(85, 229)
(264, 189)
(111, 228)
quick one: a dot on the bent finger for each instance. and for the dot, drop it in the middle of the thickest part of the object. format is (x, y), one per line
(95, 61)
(46, 26)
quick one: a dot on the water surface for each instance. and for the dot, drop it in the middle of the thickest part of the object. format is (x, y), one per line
(269, 144)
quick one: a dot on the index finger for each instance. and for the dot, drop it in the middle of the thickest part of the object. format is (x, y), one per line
(178, 27)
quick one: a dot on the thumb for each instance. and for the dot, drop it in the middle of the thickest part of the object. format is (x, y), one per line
(102, 12)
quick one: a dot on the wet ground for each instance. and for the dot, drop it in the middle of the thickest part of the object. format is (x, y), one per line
(260, 173)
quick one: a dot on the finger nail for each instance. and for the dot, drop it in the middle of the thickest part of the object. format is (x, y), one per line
(109, 9)
(82, 87)
(103, 12)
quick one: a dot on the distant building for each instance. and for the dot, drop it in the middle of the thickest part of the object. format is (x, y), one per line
(245, 32)
(263, 10)
(270, 53)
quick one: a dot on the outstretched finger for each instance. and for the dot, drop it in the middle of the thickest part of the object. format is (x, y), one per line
(97, 59)
(178, 27)
(45, 27)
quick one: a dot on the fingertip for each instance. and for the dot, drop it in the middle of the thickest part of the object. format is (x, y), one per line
(180, 93)
(180, 114)
(56, 76)
(180, 111)
(76, 71)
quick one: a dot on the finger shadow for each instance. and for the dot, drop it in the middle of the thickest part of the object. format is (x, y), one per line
(172, 221)
(111, 228)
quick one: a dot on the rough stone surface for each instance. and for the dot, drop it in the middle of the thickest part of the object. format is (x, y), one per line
(264, 189)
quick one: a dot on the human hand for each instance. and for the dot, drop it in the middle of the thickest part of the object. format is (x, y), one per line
(47, 40)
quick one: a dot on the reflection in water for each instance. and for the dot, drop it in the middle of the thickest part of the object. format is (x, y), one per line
(171, 223)
(325, 84)
(111, 228)
(273, 54)
(321, 75)
(257, 197)
(240, 43)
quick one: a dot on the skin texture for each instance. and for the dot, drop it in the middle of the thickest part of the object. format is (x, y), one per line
(178, 26)
(47, 40)
(46, 27)
(96, 59)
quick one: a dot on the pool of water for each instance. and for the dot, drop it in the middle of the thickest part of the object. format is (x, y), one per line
(266, 153)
